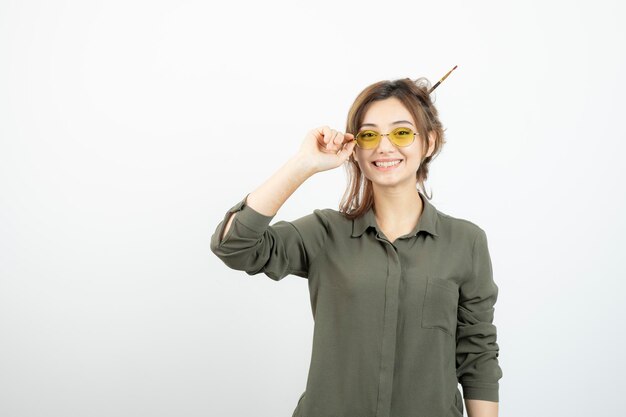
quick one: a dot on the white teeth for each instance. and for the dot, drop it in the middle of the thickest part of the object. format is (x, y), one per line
(386, 164)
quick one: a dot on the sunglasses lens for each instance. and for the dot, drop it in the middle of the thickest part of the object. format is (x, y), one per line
(367, 139)
(402, 136)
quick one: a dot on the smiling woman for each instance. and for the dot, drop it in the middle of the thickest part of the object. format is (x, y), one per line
(402, 294)
(416, 136)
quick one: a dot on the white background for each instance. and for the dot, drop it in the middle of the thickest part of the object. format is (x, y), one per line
(128, 128)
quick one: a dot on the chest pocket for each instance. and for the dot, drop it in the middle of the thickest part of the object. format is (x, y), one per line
(439, 310)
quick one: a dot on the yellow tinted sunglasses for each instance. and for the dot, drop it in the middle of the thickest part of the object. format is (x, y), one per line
(402, 136)
(369, 139)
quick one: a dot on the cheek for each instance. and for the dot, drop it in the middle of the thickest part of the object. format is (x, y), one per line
(413, 163)
(360, 159)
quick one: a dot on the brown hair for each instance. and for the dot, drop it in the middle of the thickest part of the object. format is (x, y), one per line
(359, 194)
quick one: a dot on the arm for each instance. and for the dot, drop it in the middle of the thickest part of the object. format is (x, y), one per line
(477, 350)
(480, 408)
(248, 242)
(322, 149)
(245, 241)
(272, 194)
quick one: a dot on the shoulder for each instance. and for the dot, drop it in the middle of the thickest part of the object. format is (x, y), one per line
(458, 228)
(331, 217)
(320, 220)
(337, 223)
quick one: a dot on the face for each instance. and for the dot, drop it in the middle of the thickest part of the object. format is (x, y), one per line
(383, 116)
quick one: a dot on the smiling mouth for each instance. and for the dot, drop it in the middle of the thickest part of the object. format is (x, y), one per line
(388, 165)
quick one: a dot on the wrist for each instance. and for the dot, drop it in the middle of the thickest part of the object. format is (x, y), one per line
(303, 165)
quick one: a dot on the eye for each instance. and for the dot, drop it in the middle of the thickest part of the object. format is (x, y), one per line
(367, 134)
(403, 131)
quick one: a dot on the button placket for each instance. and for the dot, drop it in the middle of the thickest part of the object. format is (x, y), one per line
(390, 320)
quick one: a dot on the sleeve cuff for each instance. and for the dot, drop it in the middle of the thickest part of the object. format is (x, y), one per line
(249, 217)
(480, 391)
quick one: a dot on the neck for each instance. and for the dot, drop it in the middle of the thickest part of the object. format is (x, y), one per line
(397, 209)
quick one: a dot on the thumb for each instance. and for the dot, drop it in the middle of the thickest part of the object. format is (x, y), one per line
(344, 154)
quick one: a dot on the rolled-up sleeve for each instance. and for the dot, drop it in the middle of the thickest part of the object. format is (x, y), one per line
(477, 350)
(254, 246)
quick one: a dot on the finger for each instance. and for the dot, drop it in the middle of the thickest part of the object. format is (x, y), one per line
(344, 153)
(339, 150)
(338, 137)
(326, 133)
(345, 145)
(334, 138)
(319, 132)
(327, 136)
(350, 151)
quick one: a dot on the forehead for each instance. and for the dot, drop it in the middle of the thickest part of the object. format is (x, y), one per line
(387, 113)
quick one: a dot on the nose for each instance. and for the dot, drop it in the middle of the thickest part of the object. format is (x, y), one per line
(385, 144)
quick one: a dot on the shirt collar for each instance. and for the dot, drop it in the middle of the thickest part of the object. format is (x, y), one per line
(427, 221)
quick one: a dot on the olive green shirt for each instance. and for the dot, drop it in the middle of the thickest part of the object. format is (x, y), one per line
(398, 325)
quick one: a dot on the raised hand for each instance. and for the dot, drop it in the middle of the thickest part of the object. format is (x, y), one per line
(325, 148)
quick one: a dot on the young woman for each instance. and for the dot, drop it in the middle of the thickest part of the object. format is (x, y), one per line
(402, 294)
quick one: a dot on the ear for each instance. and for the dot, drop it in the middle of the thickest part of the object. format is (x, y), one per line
(431, 143)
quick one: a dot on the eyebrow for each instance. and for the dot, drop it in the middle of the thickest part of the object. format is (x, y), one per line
(397, 122)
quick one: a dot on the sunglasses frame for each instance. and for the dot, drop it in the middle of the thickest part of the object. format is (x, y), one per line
(380, 137)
